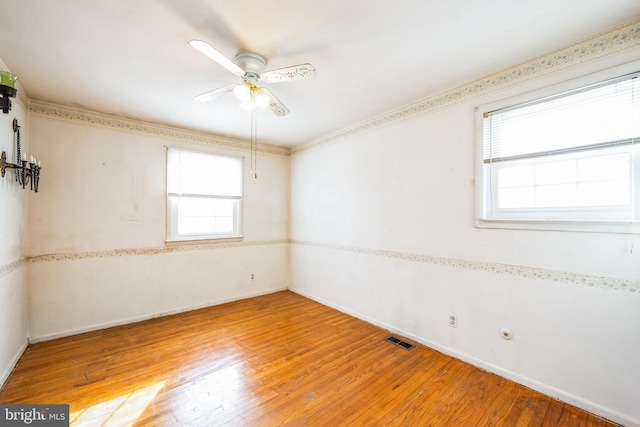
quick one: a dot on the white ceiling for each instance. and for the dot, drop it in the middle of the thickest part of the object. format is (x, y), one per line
(130, 58)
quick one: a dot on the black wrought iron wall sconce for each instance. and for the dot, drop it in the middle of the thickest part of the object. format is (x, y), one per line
(7, 90)
(26, 172)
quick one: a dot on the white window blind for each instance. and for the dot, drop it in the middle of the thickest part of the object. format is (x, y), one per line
(204, 194)
(571, 156)
(601, 115)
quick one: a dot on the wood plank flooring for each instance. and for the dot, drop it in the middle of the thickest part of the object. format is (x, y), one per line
(278, 359)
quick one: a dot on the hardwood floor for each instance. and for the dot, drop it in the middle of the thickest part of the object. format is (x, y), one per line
(278, 359)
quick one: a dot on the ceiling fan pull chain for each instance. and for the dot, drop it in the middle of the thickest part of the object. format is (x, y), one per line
(254, 143)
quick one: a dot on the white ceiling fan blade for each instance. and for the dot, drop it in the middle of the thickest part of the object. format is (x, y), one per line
(213, 94)
(287, 74)
(212, 53)
(275, 105)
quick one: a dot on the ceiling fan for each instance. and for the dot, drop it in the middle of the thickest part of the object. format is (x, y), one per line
(250, 66)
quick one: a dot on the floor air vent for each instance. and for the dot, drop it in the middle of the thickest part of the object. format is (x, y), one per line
(399, 342)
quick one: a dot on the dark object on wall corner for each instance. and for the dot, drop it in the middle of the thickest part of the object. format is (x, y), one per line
(26, 172)
(7, 90)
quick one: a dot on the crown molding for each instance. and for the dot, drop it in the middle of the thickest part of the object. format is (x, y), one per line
(609, 42)
(106, 121)
(22, 98)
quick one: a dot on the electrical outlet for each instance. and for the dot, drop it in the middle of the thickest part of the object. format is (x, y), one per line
(253, 276)
(453, 320)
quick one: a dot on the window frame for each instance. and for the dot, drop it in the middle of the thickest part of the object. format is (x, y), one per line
(172, 208)
(518, 221)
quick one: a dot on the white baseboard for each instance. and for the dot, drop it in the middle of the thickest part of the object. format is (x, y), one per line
(127, 321)
(5, 374)
(546, 389)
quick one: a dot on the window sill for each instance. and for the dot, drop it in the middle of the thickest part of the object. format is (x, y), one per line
(170, 243)
(617, 227)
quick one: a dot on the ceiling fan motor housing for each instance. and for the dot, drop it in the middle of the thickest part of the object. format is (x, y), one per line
(251, 63)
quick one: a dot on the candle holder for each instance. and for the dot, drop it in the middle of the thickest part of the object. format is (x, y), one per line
(26, 172)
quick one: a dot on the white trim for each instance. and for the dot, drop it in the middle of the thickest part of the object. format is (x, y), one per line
(578, 226)
(569, 398)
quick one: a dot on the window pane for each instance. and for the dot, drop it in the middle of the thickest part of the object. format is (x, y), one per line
(516, 176)
(548, 196)
(512, 198)
(606, 193)
(556, 172)
(583, 182)
(604, 168)
(205, 216)
(224, 224)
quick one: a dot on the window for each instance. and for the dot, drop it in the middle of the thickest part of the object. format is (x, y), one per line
(204, 196)
(569, 157)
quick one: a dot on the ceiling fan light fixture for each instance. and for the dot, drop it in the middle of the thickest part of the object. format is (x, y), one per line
(242, 92)
(250, 66)
(262, 99)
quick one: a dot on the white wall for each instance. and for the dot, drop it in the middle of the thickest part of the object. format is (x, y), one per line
(13, 235)
(97, 228)
(383, 228)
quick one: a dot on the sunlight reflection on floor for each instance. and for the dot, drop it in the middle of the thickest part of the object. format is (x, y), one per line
(213, 396)
(120, 411)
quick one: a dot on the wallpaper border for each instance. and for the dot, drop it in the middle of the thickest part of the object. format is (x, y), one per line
(602, 282)
(12, 266)
(109, 253)
(90, 118)
(609, 42)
